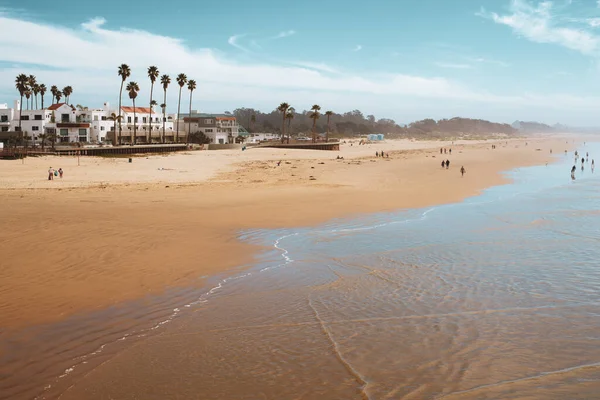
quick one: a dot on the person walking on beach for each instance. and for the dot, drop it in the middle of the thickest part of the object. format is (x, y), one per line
(441, 150)
(447, 164)
(443, 163)
(60, 172)
(462, 171)
(450, 151)
(50, 173)
(376, 154)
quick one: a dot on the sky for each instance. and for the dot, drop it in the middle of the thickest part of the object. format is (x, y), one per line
(500, 60)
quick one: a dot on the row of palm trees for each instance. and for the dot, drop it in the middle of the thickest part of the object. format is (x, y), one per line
(133, 88)
(288, 111)
(27, 86)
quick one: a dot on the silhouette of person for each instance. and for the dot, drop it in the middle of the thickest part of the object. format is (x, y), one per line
(462, 171)
(447, 164)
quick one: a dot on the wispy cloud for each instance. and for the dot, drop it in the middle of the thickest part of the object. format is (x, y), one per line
(234, 41)
(358, 47)
(316, 66)
(537, 23)
(284, 34)
(482, 60)
(453, 65)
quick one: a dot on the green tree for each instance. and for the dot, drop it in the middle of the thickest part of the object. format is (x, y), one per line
(153, 75)
(283, 108)
(53, 90)
(165, 80)
(133, 89)
(124, 72)
(36, 90)
(181, 81)
(329, 114)
(32, 82)
(58, 96)
(191, 88)
(67, 91)
(28, 93)
(314, 115)
(43, 90)
(290, 116)
(115, 118)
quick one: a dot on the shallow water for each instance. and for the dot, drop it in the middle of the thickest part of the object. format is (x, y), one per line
(497, 297)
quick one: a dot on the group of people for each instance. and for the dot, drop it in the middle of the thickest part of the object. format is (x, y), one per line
(52, 173)
(445, 151)
(381, 154)
(583, 161)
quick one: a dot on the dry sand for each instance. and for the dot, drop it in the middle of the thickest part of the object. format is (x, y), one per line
(112, 231)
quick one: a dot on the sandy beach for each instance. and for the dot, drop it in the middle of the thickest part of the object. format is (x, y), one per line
(111, 230)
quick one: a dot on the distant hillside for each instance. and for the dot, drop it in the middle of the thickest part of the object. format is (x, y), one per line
(355, 123)
(532, 127)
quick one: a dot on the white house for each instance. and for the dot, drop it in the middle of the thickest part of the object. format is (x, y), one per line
(219, 128)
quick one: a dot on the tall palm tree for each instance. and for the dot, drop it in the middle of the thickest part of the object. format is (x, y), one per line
(191, 88)
(314, 115)
(53, 90)
(153, 75)
(152, 104)
(283, 108)
(58, 96)
(115, 118)
(21, 85)
(28, 93)
(67, 91)
(181, 81)
(290, 116)
(124, 72)
(35, 89)
(32, 82)
(42, 89)
(133, 89)
(165, 80)
(329, 114)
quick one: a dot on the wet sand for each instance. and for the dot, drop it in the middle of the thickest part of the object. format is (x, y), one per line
(111, 231)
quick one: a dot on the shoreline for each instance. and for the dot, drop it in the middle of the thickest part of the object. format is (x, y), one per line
(107, 245)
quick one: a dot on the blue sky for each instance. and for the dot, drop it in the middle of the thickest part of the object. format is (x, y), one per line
(493, 59)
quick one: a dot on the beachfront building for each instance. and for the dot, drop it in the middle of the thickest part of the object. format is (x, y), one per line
(262, 137)
(7, 116)
(219, 128)
(149, 126)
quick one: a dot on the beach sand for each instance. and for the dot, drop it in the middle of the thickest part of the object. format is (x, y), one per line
(112, 231)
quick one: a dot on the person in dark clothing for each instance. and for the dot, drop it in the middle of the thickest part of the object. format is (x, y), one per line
(443, 163)
(462, 171)
(447, 164)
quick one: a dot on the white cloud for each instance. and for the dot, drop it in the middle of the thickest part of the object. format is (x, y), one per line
(482, 60)
(233, 40)
(453, 65)
(538, 24)
(89, 58)
(593, 22)
(285, 34)
(357, 48)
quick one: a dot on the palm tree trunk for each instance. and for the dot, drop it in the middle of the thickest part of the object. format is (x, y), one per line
(134, 123)
(120, 98)
(283, 127)
(150, 122)
(187, 139)
(36, 102)
(42, 96)
(20, 112)
(178, 109)
(327, 136)
(52, 98)
(164, 115)
(314, 131)
(289, 130)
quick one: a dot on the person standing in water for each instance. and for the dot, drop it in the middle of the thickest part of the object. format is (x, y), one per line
(592, 166)
(462, 171)
(573, 172)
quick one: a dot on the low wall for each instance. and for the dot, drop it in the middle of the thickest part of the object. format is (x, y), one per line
(228, 146)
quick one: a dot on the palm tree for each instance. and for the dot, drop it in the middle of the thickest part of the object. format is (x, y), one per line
(53, 90)
(114, 117)
(67, 91)
(42, 89)
(181, 81)
(153, 75)
(283, 108)
(152, 104)
(329, 114)
(290, 116)
(58, 95)
(124, 72)
(28, 93)
(32, 83)
(36, 89)
(133, 89)
(314, 115)
(191, 88)
(21, 85)
(165, 80)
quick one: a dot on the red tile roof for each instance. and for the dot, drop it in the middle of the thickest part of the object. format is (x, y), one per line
(58, 105)
(141, 110)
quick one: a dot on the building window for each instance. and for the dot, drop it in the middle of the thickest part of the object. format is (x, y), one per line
(5, 129)
(208, 121)
(24, 117)
(128, 120)
(64, 117)
(35, 128)
(156, 119)
(83, 132)
(4, 118)
(95, 118)
(101, 128)
(136, 119)
(64, 132)
(103, 118)
(38, 117)
(208, 130)
(144, 120)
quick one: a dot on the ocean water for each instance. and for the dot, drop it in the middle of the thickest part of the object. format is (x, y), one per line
(496, 297)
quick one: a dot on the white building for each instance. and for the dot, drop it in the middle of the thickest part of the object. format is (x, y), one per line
(262, 137)
(149, 126)
(219, 128)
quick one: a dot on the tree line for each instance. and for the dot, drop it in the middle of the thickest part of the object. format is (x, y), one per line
(356, 123)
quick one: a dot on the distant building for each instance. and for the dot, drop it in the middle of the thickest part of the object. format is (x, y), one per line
(219, 128)
(262, 137)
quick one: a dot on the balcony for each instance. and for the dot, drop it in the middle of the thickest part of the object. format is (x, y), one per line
(72, 125)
